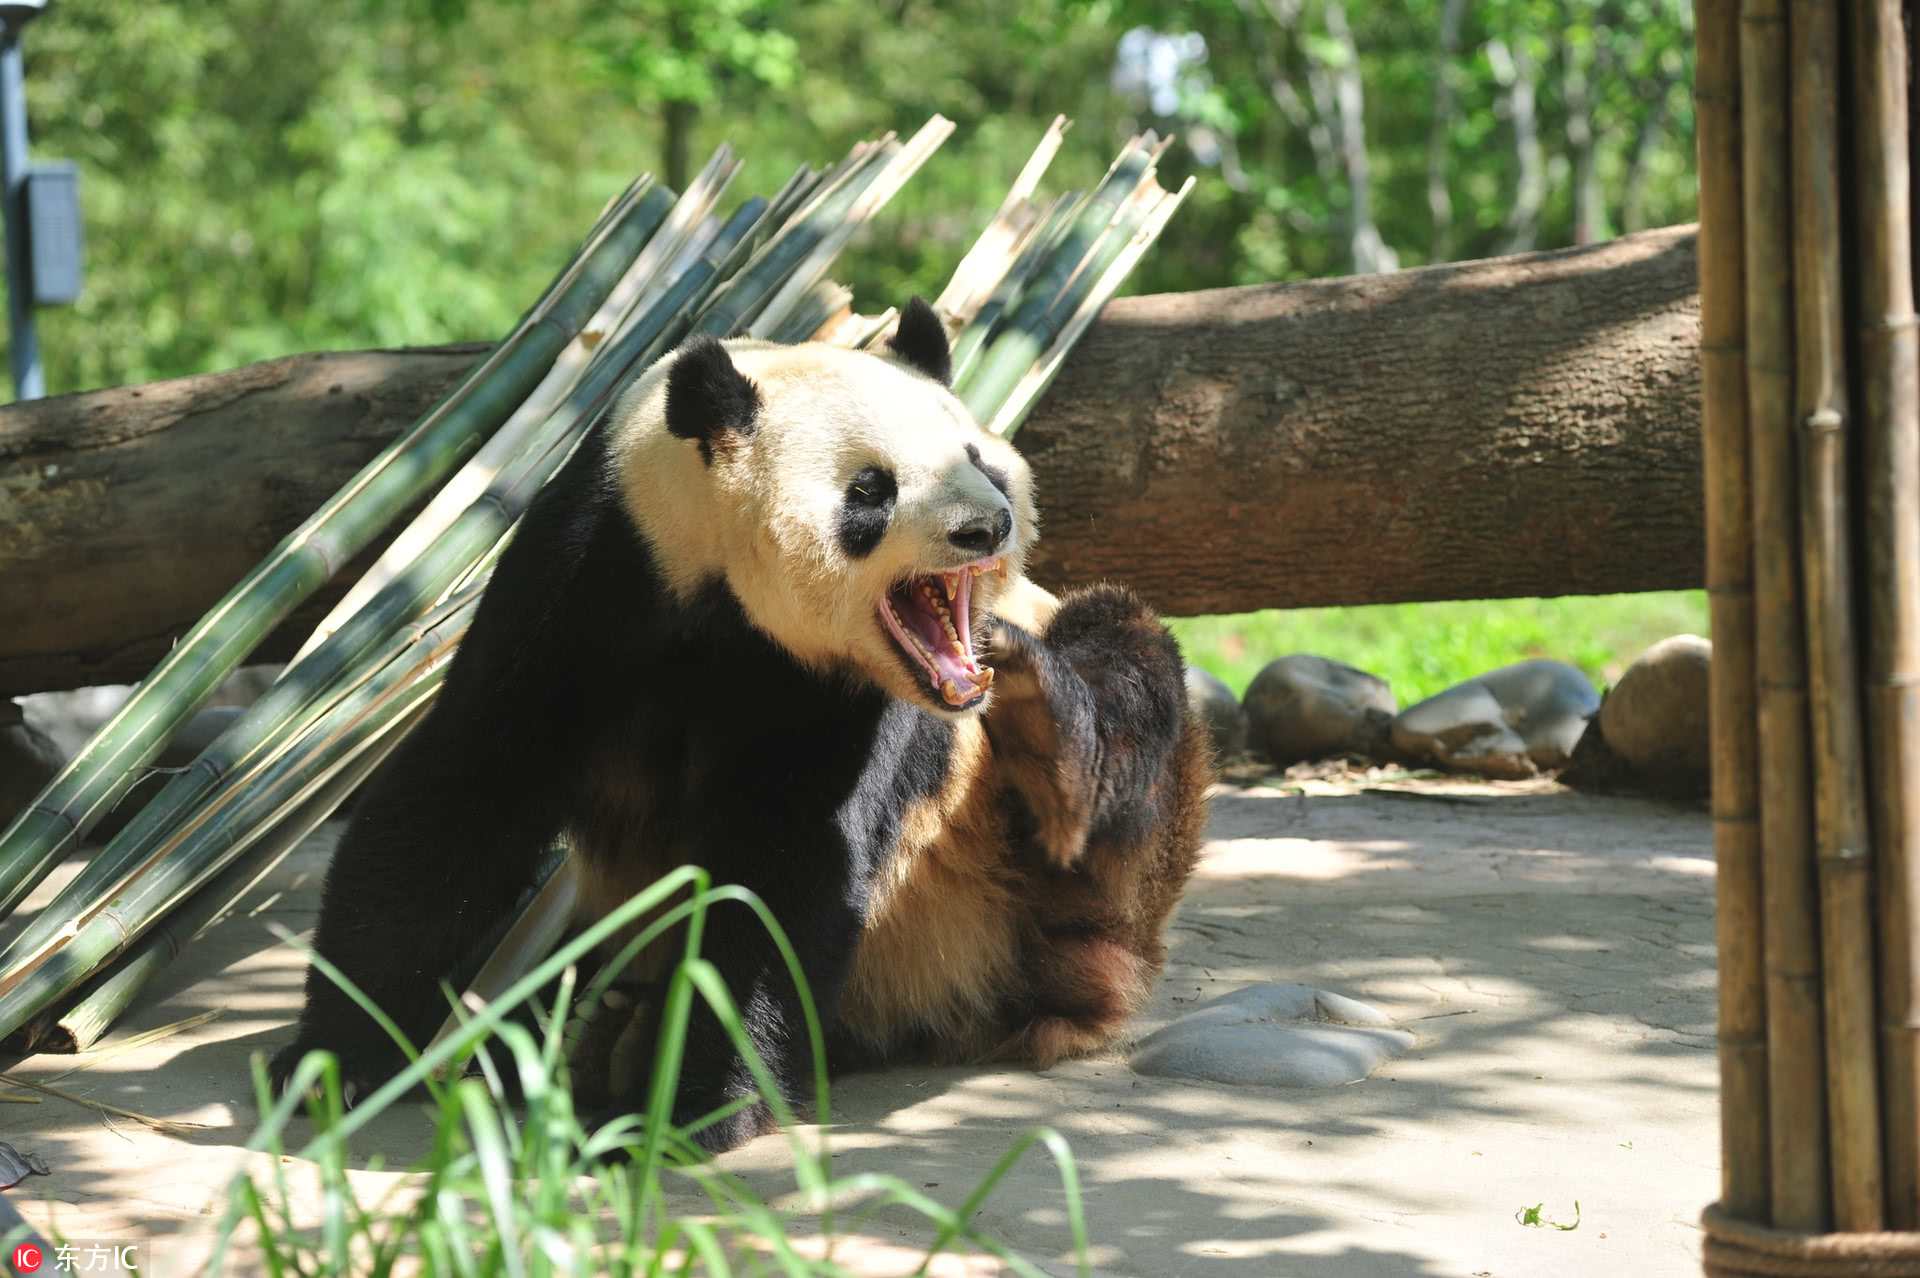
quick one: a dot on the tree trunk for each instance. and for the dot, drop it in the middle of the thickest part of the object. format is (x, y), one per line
(126, 513)
(1512, 427)
(1520, 426)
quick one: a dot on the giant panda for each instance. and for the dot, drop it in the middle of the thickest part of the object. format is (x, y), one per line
(772, 619)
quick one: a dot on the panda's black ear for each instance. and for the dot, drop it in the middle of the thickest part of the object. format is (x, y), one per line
(707, 396)
(921, 340)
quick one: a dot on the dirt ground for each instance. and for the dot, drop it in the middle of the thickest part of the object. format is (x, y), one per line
(1552, 952)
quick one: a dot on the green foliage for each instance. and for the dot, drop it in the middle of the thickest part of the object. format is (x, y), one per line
(501, 1193)
(1533, 1219)
(260, 177)
(1419, 649)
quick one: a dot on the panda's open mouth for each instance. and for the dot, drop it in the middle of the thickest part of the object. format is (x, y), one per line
(930, 617)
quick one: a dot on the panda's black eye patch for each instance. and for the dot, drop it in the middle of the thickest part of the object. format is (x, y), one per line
(866, 508)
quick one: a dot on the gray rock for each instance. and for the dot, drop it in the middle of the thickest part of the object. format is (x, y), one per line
(195, 735)
(1510, 722)
(1274, 1036)
(28, 760)
(1655, 718)
(1302, 707)
(1213, 703)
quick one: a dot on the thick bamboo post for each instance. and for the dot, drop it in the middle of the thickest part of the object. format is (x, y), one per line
(1833, 680)
(1796, 1066)
(1744, 1179)
(1888, 426)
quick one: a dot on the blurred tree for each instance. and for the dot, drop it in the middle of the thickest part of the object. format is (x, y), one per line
(260, 177)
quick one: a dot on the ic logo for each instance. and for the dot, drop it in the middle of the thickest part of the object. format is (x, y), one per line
(26, 1258)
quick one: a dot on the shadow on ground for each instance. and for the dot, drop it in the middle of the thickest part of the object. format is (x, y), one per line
(1551, 951)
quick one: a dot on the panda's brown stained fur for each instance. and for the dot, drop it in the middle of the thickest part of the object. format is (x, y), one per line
(985, 940)
(978, 949)
(618, 858)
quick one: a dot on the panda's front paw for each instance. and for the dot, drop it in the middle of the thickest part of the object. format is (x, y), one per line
(360, 1074)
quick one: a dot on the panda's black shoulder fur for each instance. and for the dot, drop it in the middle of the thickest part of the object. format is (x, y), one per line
(582, 671)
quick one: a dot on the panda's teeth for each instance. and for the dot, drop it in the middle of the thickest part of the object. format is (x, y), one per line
(950, 691)
(985, 680)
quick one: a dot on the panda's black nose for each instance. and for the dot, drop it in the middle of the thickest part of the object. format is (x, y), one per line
(983, 534)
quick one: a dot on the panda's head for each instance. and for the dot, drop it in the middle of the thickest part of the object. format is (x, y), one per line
(863, 519)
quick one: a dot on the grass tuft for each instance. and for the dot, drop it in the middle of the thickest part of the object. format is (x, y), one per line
(531, 1195)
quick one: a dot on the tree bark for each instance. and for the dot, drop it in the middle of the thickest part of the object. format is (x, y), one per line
(1518, 426)
(126, 513)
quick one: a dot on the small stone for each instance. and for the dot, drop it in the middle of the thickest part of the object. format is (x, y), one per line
(1274, 1036)
(1302, 707)
(1212, 702)
(1655, 718)
(28, 760)
(1508, 723)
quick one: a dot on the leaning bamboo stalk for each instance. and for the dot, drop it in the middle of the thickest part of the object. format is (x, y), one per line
(225, 829)
(1888, 417)
(738, 301)
(299, 695)
(974, 279)
(897, 171)
(54, 968)
(87, 787)
(1009, 290)
(1034, 384)
(1841, 844)
(297, 698)
(414, 643)
(543, 922)
(1796, 1063)
(647, 275)
(985, 381)
(96, 1005)
(1744, 1153)
(1069, 275)
(812, 312)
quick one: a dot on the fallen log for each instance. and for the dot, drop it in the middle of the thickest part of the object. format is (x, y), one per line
(1518, 426)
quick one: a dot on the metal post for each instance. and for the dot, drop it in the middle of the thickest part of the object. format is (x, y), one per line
(24, 348)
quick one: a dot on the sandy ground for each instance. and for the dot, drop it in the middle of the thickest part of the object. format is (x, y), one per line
(1552, 952)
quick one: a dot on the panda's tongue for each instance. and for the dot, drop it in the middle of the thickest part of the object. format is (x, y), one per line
(931, 620)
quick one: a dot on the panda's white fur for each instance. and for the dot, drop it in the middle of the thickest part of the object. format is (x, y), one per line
(761, 514)
(685, 657)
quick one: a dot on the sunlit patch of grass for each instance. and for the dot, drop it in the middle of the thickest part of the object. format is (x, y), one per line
(1422, 648)
(535, 1194)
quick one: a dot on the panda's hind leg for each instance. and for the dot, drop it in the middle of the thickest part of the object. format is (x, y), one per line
(1091, 735)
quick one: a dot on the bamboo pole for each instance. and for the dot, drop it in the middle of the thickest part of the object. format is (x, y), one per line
(1744, 1176)
(205, 832)
(1838, 765)
(1888, 421)
(1796, 1064)
(91, 1011)
(398, 476)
